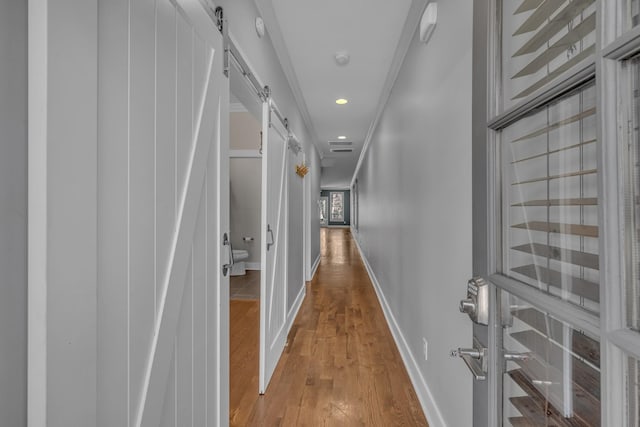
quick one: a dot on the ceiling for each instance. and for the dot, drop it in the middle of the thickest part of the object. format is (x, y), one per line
(307, 34)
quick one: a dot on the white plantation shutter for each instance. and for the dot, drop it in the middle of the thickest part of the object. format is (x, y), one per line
(550, 200)
(558, 382)
(542, 40)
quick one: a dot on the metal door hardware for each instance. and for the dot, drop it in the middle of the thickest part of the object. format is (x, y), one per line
(471, 352)
(510, 356)
(270, 231)
(226, 242)
(476, 305)
(516, 356)
(475, 358)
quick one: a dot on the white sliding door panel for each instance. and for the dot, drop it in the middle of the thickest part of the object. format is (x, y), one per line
(165, 148)
(163, 192)
(170, 404)
(196, 330)
(273, 293)
(166, 160)
(183, 352)
(141, 268)
(113, 215)
(184, 100)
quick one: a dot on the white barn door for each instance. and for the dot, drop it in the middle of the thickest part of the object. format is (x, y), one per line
(162, 197)
(273, 286)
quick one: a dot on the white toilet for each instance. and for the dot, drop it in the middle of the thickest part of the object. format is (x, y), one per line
(239, 267)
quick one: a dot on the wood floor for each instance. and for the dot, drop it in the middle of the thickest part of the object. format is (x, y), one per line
(340, 367)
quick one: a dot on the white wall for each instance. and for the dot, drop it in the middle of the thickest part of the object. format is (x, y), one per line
(245, 176)
(295, 232)
(312, 196)
(245, 198)
(262, 58)
(13, 212)
(244, 131)
(415, 210)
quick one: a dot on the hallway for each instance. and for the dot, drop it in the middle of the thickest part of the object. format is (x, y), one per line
(341, 366)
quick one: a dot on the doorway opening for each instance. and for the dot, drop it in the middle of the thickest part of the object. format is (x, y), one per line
(262, 134)
(245, 198)
(245, 204)
(335, 208)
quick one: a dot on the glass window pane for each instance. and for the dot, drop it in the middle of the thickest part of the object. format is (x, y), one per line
(541, 40)
(337, 207)
(633, 391)
(552, 371)
(633, 210)
(324, 211)
(631, 14)
(549, 200)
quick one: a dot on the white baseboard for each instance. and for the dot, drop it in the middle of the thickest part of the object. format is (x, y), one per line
(316, 263)
(291, 316)
(429, 406)
(252, 266)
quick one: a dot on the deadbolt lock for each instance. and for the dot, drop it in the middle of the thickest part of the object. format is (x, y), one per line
(476, 305)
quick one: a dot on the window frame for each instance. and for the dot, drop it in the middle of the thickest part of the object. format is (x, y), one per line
(614, 46)
(619, 342)
(342, 201)
(568, 81)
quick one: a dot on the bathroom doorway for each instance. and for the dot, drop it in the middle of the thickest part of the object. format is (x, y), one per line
(245, 175)
(245, 203)
(245, 179)
(262, 145)
(245, 196)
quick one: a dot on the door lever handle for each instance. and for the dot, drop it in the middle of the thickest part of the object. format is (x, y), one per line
(226, 242)
(270, 231)
(470, 352)
(475, 358)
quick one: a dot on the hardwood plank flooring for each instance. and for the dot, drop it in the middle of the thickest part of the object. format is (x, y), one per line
(340, 367)
(243, 362)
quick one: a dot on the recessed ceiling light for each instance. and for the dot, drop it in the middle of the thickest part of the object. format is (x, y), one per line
(342, 137)
(341, 101)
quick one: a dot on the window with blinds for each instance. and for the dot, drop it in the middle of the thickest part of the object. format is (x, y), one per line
(633, 13)
(552, 370)
(550, 200)
(633, 391)
(541, 40)
(633, 204)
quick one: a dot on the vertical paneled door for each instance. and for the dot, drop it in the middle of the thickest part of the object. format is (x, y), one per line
(163, 203)
(273, 287)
